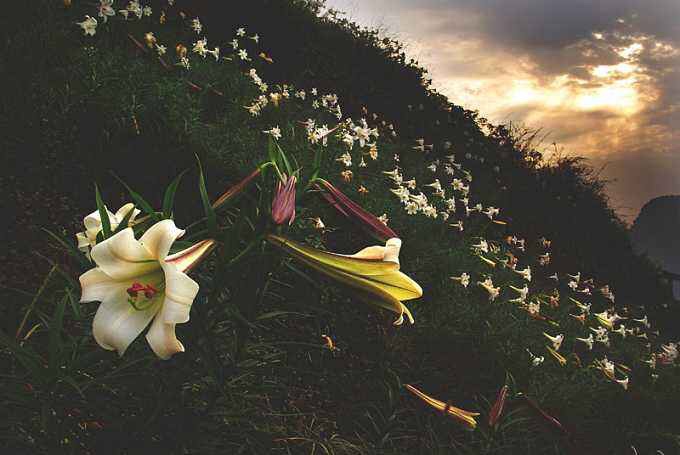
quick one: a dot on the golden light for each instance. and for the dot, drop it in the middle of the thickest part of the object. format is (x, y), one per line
(620, 95)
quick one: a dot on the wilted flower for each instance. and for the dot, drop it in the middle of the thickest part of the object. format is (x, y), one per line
(128, 268)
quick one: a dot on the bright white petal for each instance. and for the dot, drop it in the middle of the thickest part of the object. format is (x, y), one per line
(123, 257)
(180, 292)
(159, 238)
(83, 241)
(93, 223)
(162, 339)
(117, 323)
(370, 252)
(98, 286)
(123, 211)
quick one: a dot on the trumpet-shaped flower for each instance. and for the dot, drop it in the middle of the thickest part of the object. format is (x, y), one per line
(89, 25)
(488, 286)
(373, 272)
(464, 279)
(138, 284)
(588, 341)
(466, 417)
(555, 340)
(93, 225)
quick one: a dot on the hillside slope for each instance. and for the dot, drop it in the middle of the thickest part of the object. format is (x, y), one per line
(280, 357)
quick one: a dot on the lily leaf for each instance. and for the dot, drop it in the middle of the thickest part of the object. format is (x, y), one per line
(103, 214)
(205, 199)
(169, 196)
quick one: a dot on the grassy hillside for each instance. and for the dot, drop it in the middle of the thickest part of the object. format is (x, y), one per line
(280, 358)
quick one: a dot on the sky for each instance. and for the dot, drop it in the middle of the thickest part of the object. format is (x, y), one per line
(600, 78)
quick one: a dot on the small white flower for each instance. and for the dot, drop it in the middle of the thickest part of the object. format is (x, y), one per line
(240, 31)
(196, 25)
(464, 279)
(161, 49)
(200, 47)
(255, 38)
(556, 340)
(106, 9)
(147, 11)
(345, 159)
(588, 341)
(243, 54)
(89, 25)
(274, 132)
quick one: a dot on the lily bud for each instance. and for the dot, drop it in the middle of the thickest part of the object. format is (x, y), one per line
(373, 273)
(283, 205)
(236, 189)
(499, 405)
(465, 417)
(355, 212)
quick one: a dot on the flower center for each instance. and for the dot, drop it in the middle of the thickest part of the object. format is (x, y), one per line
(141, 295)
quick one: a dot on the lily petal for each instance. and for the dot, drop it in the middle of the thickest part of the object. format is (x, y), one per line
(161, 337)
(122, 257)
(98, 286)
(117, 323)
(159, 238)
(188, 258)
(180, 292)
(354, 265)
(124, 210)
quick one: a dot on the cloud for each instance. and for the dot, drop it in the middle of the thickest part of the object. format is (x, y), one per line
(603, 77)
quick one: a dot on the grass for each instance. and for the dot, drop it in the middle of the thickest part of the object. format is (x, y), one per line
(257, 376)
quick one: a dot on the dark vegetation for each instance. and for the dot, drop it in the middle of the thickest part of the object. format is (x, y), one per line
(257, 379)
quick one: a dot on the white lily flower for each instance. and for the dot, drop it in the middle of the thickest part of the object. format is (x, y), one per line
(89, 25)
(556, 340)
(93, 226)
(138, 284)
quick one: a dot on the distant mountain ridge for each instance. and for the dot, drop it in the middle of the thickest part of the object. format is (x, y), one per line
(656, 233)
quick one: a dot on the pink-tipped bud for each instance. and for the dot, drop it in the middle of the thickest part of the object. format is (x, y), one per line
(283, 205)
(356, 213)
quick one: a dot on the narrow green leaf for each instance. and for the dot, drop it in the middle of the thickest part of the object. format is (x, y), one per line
(125, 221)
(286, 163)
(103, 214)
(56, 324)
(271, 150)
(169, 197)
(70, 248)
(139, 200)
(24, 355)
(207, 206)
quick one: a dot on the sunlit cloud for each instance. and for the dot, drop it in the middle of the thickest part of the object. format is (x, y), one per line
(603, 80)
